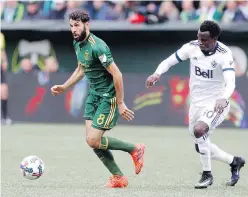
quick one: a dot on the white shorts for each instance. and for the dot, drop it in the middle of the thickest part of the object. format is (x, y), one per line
(206, 114)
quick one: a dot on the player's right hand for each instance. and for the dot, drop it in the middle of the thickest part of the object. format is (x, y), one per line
(126, 113)
(151, 80)
(58, 89)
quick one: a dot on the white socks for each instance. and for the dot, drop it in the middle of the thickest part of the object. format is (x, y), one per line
(205, 154)
(210, 151)
(220, 155)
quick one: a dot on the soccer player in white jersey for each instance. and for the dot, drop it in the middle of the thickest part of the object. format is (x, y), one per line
(212, 82)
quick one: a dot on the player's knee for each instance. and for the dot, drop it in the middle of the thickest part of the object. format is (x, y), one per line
(92, 142)
(200, 129)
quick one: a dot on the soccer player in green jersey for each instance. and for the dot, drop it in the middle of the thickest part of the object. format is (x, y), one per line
(105, 99)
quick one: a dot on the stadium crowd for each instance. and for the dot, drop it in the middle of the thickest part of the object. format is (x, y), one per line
(134, 11)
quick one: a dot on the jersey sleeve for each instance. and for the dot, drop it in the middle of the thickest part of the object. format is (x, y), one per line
(183, 53)
(103, 53)
(227, 62)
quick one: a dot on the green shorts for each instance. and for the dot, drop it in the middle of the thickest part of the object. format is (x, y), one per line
(102, 111)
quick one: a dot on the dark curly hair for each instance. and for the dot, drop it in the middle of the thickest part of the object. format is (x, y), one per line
(79, 15)
(212, 27)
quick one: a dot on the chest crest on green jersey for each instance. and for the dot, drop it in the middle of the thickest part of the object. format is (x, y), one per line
(85, 59)
(86, 55)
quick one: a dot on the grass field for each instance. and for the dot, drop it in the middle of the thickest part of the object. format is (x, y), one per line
(72, 170)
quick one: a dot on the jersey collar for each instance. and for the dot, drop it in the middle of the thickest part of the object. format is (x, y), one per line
(211, 52)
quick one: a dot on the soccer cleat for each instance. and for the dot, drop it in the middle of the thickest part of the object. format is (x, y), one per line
(205, 181)
(117, 181)
(238, 163)
(138, 157)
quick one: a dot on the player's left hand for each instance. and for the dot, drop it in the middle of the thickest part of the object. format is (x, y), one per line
(126, 113)
(220, 105)
(151, 80)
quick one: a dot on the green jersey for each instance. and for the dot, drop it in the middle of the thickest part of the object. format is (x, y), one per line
(95, 56)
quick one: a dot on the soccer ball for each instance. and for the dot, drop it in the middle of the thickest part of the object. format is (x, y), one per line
(32, 167)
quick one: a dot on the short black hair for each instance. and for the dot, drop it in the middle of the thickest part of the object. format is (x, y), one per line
(213, 28)
(79, 15)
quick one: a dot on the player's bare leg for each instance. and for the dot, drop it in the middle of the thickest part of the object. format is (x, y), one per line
(4, 104)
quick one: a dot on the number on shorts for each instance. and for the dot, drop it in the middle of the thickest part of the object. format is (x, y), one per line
(209, 114)
(100, 119)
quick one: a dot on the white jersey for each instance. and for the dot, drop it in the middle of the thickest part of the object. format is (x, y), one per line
(206, 71)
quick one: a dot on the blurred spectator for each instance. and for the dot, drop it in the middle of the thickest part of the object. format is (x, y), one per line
(208, 10)
(232, 13)
(188, 11)
(137, 17)
(72, 5)
(134, 13)
(13, 11)
(46, 7)
(146, 3)
(98, 10)
(33, 11)
(1, 7)
(243, 6)
(59, 10)
(116, 11)
(147, 13)
(168, 11)
(129, 8)
(150, 12)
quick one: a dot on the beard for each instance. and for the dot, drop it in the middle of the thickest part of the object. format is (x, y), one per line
(81, 37)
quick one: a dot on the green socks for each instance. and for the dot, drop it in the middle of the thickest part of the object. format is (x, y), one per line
(104, 154)
(108, 160)
(115, 144)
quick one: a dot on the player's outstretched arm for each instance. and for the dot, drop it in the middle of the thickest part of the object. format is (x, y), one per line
(118, 83)
(162, 68)
(77, 75)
